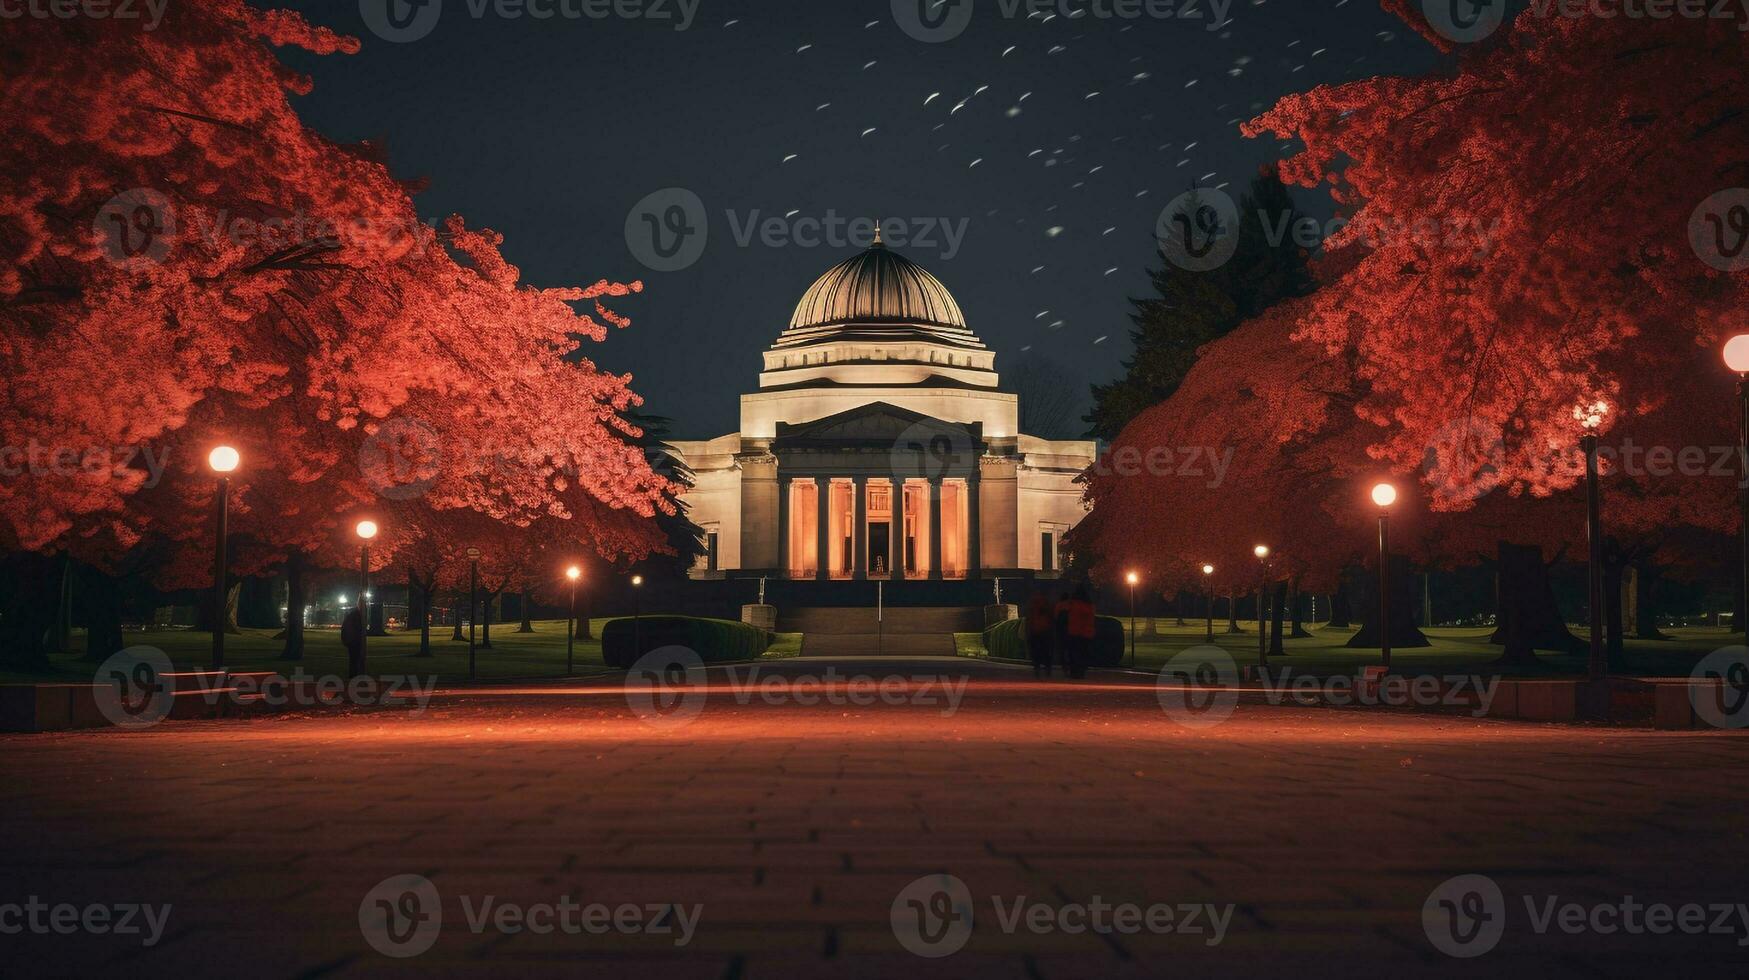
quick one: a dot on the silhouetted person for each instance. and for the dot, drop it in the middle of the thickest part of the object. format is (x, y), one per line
(1075, 624)
(1041, 627)
(352, 638)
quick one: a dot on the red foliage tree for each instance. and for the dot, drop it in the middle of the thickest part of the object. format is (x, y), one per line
(1493, 280)
(183, 263)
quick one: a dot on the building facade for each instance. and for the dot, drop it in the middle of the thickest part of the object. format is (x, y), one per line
(879, 446)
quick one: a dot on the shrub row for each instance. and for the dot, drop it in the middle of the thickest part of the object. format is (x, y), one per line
(623, 641)
(1005, 641)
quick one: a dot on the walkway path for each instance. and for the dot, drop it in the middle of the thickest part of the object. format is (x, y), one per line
(795, 827)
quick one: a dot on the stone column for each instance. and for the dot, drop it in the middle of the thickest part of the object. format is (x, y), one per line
(784, 486)
(859, 528)
(823, 530)
(935, 529)
(896, 533)
(974, 531)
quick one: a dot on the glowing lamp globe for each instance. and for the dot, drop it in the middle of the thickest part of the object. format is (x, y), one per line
(223, 459)
(367, 529)
(573, 573)
(1384, 495)
(1737, 353)
(1132, 578)
(637, 580)
(1208, 569)
(1261, 551)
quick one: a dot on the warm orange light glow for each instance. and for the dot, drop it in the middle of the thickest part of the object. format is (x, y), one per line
(1384, 495)
(1132, 578)
(1261, 551)
(367, 529)
(573, 573)
(637, 580)
(1737, 353)
(1591, 416)
(1208, 569)
(223, 459)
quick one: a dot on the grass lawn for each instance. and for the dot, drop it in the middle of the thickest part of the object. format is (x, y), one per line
(513, 655)
(1455, 650)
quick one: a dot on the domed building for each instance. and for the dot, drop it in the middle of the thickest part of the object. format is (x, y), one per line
(879, 446)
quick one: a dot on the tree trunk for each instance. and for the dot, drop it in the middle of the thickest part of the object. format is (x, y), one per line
(27, 612)
(1645, 609)
(256, 608)
(1233, 614)
(61, 634)
(1426, 600)
(1528, 619)
(423, 591)
(1612, 588)
(1278, 614)
(458, 636)
(522, 604)
(416, 604)
(294, 607)
(101, 602)
(1341, 607)
(486, 621)
(1296, 608)
(1178, 609)
(1403, 633)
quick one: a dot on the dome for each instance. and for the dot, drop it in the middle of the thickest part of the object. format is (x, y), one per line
(877, 286)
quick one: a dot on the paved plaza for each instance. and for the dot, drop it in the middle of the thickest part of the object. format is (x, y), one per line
(777, 838)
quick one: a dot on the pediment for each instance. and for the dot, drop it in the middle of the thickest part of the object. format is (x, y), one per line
(879, 425)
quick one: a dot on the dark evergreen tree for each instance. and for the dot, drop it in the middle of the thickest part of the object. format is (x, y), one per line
(1190, 309)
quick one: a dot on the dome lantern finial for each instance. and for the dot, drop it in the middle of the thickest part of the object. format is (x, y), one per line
(877, 238)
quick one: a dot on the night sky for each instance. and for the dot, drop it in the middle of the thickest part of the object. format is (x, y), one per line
(551, 131)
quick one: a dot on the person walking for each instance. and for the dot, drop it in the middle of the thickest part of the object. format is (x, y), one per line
(1076, 619)
(1040, 625)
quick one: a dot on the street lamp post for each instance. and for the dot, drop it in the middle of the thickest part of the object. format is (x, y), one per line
(1262, 553)
(224, 461)
(1590, 417)
(573, 573)
(1737, 359)
(1384, 495)
(637, 618)
(1208, 607)
(366, 531)
(473, 601)
(1132, 578)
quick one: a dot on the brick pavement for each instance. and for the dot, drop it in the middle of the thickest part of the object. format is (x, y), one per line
(795, 827)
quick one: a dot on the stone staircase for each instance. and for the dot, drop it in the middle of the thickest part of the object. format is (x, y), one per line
(901, 631)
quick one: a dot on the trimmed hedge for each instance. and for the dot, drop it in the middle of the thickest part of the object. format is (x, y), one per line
(1005, 641)
(714, 640)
